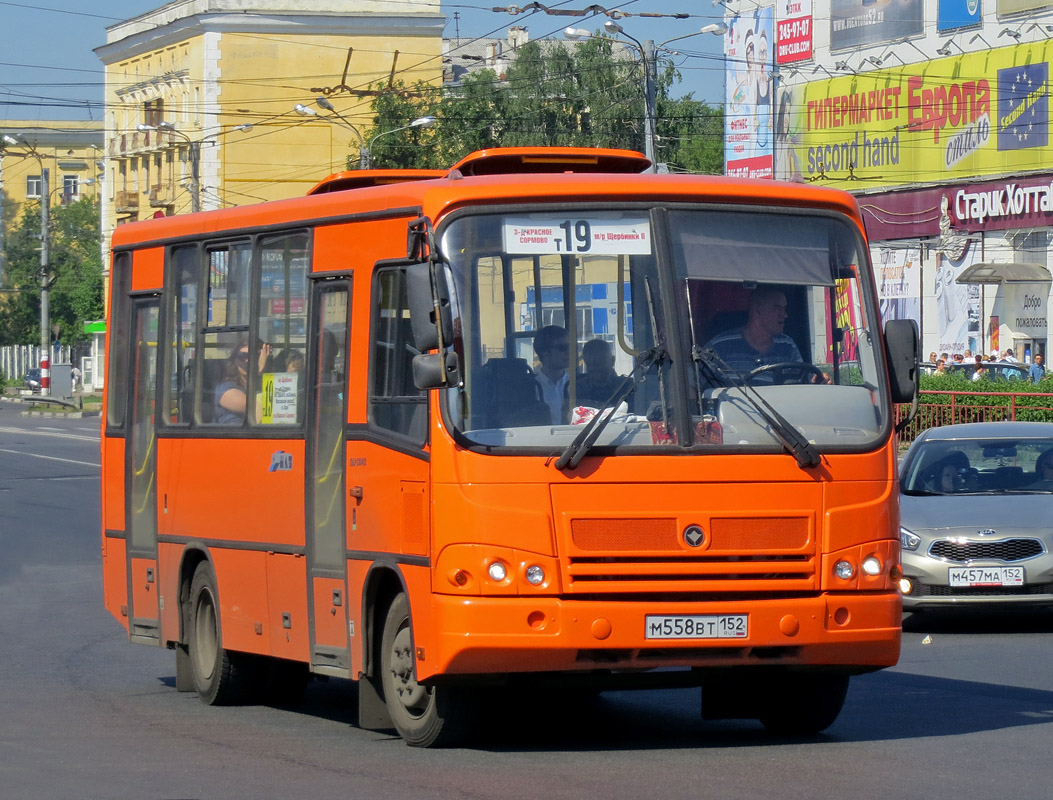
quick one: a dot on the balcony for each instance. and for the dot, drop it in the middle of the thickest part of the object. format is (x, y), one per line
(162, 195)
(127, 202)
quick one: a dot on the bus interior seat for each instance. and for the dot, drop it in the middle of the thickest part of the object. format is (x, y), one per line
(212, 376)
(506, 394)
(727, 321)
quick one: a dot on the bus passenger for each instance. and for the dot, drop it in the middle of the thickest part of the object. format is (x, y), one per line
(231, 397)
(552, 346)
(599, 380)
(761, 341)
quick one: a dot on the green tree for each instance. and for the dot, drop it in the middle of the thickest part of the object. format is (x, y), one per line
(583, 95)
(76, 269)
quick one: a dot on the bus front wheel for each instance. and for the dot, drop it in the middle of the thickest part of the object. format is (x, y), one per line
(424, 716)
(220, 676)
(804, 704)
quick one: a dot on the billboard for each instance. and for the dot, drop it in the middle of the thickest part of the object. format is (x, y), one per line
(954, 14)
(749, 118)
(899, 283)
(793, 40)
(970, 115)
(857, 23)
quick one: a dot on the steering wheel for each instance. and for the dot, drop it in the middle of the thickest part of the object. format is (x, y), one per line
(789, 372)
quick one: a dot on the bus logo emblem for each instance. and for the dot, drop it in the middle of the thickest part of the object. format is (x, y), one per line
(281, 462)
(694, 536)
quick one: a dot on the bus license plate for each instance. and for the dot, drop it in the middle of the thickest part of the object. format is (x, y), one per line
(710, 626)
(986, 576)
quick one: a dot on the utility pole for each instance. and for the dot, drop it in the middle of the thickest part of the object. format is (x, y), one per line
(45, 280)
(650, 98)
(195, 175)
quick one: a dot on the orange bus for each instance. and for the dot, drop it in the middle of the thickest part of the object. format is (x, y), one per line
(543, 417)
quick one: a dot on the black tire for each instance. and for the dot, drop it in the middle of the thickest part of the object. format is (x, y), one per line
(804, 704)
(220, 676)
(424, 716)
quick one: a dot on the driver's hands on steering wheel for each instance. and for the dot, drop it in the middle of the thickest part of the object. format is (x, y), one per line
(785, 372)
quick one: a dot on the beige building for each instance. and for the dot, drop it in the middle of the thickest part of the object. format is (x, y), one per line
(185, 82)
(71, 153)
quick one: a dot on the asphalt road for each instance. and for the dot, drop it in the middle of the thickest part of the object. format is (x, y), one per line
(84, 714)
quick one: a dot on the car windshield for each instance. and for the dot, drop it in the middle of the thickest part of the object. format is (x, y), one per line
(979, 466)
(695, 326)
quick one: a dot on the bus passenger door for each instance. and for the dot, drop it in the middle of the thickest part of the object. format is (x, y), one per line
(325, 505)
(141, 478)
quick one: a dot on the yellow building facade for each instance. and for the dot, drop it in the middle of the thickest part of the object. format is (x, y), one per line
(71, 152)
(201, 97)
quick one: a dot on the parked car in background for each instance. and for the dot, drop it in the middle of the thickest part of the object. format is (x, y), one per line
(996, 370)
(31, 380)
(976, 514)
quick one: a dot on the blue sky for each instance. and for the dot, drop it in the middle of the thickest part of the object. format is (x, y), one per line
(48, 69)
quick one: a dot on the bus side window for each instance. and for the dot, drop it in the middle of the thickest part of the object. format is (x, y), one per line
(395, 401)
(183, 323)
(282, 325)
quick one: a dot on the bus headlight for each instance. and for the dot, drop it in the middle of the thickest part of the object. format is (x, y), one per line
(535, 575)
(844, 570)
(872, 565)
(497, 571)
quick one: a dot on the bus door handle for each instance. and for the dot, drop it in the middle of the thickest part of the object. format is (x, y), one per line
(356, 492)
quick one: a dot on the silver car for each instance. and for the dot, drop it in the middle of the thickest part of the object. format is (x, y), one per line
(977, 516)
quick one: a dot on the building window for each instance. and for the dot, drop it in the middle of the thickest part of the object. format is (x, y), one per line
(70, 189)
(154, 112)
(33, 186)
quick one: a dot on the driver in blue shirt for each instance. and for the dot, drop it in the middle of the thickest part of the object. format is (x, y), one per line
(761, 340)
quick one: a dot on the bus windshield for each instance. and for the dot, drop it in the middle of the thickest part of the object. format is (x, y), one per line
(687, 327)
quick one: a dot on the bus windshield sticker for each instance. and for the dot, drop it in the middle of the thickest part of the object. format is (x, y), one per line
(577, 235)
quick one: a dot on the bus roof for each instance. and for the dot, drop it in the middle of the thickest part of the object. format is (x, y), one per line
(493, 177)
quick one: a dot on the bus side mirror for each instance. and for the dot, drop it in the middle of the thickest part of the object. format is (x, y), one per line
(429, 307)
(431, 319)
(436, 370)
(901, 354)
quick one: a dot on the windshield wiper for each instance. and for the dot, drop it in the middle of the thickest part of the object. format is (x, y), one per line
(574, 452)
(789, 436)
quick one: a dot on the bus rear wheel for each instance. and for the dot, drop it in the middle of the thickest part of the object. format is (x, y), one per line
(424, 716)
(220, 676)
(804, 704)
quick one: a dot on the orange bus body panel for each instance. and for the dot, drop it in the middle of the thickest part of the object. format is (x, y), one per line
(419, 514)
(148, 269)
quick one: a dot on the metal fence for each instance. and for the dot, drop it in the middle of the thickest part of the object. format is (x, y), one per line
(16, 360)
(950, 408)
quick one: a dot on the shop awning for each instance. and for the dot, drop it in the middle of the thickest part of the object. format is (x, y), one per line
(1012, 272)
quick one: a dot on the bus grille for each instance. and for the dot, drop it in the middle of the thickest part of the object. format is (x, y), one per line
(637, 556)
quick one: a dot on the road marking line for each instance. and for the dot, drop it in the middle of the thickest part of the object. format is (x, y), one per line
(37, 432)
(52, 458)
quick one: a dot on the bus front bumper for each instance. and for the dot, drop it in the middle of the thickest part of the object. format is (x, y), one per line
(495, 635)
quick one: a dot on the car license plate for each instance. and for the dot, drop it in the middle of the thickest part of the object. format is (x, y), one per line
(986, 576)
(709, 626)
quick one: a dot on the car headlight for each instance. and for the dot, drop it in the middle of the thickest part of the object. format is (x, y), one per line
(908, 540)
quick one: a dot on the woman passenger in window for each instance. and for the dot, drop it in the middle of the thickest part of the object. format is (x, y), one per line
(231, 393)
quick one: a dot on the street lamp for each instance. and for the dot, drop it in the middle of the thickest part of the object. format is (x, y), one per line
(419, 122)
(195, 154)
(647, 50)
(323, 102)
